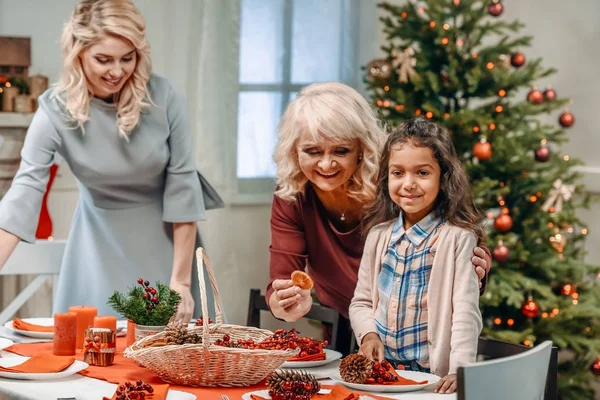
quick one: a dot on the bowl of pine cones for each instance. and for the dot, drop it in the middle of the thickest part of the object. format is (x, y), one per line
(210, 354)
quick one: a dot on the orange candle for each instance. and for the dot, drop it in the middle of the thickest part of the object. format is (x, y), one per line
(130, 332)
(85, 319)
(65, 334)
(107, 322)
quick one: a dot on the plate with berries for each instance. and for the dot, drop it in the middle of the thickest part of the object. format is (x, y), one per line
(359, 373)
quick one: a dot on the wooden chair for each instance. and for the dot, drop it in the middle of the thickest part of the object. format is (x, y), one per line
(341, 333)
(43, 258)
(510, 371)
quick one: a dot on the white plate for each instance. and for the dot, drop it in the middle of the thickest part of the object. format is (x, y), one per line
(265, 394)
(322, 372)
(330, 355)
(37, 321)
(4, 343)
(414, 375)
(12, 361)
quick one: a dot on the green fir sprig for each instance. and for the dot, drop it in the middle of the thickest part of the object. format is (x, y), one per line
(145, 305)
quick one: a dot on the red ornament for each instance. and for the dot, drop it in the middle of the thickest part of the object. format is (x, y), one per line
(566, 119)
(501, 252)
(567, 290)
(542, 154)
(503, 223)
(535, 97)
(518, 59)
(595, 367)
(550, 94)
(530, 308)
(495, 8)
(3, 79)
(482, 150)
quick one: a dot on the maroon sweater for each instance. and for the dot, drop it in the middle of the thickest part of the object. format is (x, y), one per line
(303, 236)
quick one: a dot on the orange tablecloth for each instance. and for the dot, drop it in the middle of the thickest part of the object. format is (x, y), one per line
(125, 369)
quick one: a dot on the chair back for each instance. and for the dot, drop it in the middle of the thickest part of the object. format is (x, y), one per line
(44, 259)
(340, 327)
(519, 376)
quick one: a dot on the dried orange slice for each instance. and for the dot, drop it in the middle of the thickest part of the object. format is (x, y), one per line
(302, 280)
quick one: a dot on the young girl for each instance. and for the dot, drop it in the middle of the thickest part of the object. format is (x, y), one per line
(417, 299)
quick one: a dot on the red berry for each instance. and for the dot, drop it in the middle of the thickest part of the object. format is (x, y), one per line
(155, 299)
(226, 338)
(308, 387)
(287, 386)
(146, 296)
(150, 389)
(140, 281)
(153, 291)
(142, 395)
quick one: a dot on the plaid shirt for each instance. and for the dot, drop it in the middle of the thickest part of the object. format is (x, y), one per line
(401, 314)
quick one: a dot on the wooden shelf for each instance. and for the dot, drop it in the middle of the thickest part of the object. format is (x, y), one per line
(15, 120)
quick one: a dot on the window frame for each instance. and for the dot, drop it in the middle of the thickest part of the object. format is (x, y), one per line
(250, 191)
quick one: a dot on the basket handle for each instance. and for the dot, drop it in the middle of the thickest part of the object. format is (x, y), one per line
(203, 261)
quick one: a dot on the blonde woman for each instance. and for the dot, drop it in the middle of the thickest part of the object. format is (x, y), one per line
(327, 162)
(124, 133)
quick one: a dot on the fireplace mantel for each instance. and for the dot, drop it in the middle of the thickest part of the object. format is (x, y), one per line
(15, 120)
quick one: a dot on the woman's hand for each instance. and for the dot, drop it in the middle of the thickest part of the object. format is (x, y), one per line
(482, 262)
(372, 347)
(446, 385)
(289, 302)
(185, 310)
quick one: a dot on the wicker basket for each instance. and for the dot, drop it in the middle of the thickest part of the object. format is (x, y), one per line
(207, 364)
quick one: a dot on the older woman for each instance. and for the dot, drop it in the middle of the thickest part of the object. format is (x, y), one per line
(327, 159)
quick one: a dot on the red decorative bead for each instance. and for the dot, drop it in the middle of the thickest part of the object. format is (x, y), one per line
(140, 281)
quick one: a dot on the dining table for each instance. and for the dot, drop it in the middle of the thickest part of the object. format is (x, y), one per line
(94, 383)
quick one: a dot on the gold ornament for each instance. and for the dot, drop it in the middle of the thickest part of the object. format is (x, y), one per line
(503, 61)
(556, 196)
(379, 70)
(558, 241)
(406, 64)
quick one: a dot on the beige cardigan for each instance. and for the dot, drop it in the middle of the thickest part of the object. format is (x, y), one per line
(454, 322)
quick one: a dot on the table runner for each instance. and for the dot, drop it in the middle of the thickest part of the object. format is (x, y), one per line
(126, 369)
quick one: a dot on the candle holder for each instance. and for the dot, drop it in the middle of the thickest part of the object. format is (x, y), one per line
(99, 347)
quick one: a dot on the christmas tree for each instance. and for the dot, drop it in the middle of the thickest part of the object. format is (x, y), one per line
(459, 63)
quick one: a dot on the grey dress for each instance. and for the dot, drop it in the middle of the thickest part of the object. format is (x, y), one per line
(130, 194)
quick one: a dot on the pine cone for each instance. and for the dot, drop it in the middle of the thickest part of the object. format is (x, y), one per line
(177, 333)
(356, 368)
(192, 338)
(301, 385)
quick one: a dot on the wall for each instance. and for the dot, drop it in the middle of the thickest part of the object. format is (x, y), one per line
(237, 237)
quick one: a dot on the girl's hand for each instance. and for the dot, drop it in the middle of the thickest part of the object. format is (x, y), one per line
(289, 302)
(446, 385)
(482, 262)
(372, 347)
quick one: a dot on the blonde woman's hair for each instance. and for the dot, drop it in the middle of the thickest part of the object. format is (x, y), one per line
(328, 111)
(91, 21)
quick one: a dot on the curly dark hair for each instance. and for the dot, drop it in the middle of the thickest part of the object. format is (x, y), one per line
(454, 201)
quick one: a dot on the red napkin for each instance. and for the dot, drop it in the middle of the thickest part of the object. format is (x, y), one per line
(400, 381)
(159, 393)
(26, 326)
(338, 392)
(41, 364)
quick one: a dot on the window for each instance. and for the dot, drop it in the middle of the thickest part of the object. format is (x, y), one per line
(285, 45)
